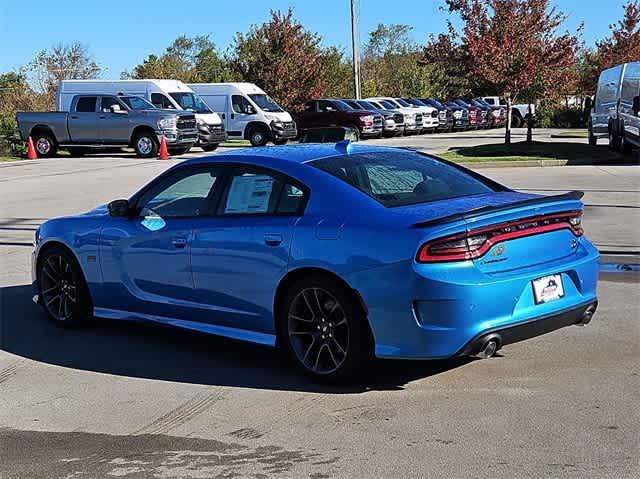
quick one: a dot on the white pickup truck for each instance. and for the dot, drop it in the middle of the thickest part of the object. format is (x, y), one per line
(519, 112)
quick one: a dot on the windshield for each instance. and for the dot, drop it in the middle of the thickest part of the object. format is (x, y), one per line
(342, 106)
(388, 105)
(402, 102)
(265, 103)
(435, 102)
(189, 101)
(353, 104)
(366, 105)
(461, 103)
(402, 178)
(415, 101)
(136, 103)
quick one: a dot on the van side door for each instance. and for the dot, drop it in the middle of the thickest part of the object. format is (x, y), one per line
(242, 112)
(83, 120)
(630, 90)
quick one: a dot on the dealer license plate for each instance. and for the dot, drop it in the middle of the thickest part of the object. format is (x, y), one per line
(548, 288)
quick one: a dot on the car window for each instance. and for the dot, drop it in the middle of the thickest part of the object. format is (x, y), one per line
(185, 194)
(253, 191)
(87, 104)
(106, 102)
(631, 82)
(402, 178)
(240, 104)
(310, 106)
(161, 101)
(326, 106)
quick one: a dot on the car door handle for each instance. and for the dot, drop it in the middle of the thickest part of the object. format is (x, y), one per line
(179, 242)
(273, 239)
(102, 117)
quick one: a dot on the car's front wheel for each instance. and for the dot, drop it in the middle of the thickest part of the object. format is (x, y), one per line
(62, 289)
(146, 145)
(325, 330)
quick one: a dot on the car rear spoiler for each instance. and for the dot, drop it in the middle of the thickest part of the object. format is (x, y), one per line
(572, 195)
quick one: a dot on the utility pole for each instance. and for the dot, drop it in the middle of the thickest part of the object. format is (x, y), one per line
(354, 48)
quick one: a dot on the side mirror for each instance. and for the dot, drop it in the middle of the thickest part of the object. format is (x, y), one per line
(636, 105)
(249, 110)
(119, 208)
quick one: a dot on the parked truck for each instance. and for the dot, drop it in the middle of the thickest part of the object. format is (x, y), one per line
(325, 112)
(519, 112)
(165, 94)
(108, 121)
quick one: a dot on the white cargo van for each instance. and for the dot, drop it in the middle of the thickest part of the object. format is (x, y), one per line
(167, 94)
(249, 113)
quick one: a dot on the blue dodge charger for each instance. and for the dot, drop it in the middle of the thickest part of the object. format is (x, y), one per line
(336, 253)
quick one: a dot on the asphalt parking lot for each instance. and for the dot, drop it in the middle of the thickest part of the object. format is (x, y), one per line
(131, 400)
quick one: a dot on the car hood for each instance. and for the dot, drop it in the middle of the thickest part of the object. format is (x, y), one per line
(436, 209)
(209, 118)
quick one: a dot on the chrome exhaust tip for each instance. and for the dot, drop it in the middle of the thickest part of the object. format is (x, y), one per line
(489, 349)
(588, 314)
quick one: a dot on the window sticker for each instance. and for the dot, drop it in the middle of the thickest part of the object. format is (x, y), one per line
(249, 194)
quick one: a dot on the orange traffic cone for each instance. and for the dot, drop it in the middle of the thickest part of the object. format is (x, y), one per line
(164, 153)
(31, 150)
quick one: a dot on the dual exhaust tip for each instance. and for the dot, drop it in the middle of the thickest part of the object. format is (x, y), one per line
(491, 343)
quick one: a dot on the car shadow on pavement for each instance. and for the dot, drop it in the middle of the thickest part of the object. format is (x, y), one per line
(159, 352)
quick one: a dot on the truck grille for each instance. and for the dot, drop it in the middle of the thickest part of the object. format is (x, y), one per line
(218, 129)
(377, 121)
(186, 122)
(465, 113)
(442, 114)
(288, 125)
(398, 118)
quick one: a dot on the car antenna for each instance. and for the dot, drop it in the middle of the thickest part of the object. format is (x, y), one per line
(344, 146)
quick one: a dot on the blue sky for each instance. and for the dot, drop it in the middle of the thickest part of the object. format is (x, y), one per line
(121, 33)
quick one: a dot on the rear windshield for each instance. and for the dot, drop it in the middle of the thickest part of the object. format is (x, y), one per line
(402, 178)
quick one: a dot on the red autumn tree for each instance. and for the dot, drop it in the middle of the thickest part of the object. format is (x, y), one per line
(513, 46)
(624, 43)
(283, 58)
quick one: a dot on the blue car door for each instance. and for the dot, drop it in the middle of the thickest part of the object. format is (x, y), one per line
(239, 256)
(145, 259)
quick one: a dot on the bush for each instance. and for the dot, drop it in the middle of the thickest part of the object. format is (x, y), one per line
(560, 117)
(10, 141)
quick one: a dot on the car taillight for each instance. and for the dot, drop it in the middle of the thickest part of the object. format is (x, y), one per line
(475, 243)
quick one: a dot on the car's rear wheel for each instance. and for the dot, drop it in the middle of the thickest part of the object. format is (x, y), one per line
(325, 331)
(45, 145)
(62, 289)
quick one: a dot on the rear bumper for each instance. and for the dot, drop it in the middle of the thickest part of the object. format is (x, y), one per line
(579, 315)
(440, 311)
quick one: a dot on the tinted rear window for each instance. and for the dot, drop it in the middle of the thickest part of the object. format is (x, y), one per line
(402, 178)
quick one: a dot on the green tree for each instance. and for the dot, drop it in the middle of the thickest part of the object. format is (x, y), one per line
(190, 59)
(71, 61)
(390, 63)
(283, 58)
(337, 73)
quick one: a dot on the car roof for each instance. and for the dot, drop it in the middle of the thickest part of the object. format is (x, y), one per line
(293, 153)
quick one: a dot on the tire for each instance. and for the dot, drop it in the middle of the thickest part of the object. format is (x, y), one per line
(258, 136)
(45, 144)
(516, 121)
(357, 130)
(625, 146)
(179, 151)
(325, 331)
(209, 147)
(62, 289)
(593, 140)
(282, 141)
(614, 141)
(146, 145)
